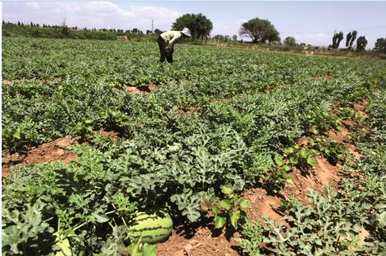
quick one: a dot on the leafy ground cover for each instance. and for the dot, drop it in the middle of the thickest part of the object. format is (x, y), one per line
(215, 118)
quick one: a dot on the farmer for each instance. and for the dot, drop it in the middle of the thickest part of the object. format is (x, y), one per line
(167, 40)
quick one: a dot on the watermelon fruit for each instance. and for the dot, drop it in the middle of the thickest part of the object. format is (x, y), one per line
(151, 228)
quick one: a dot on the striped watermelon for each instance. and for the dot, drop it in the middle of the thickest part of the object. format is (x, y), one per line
(152, 228)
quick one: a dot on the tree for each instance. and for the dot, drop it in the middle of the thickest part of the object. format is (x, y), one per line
(380, 45)
(234, 38)
(136, 31)
(361, 43)
(336, 39)
(157, 31)
(354, 36)
(289, 41)
(200, 26)
(225, 38)
(350, 38)
(259, 30)
(65, 29)
(219, 37)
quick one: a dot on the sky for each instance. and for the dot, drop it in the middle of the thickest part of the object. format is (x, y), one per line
(308, 21)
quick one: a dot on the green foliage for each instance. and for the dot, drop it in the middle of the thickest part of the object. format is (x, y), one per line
(289, 41)
(361, 43)
(330, 149)
(350, 39)
(63, 31)
(319, 119)
(142, 249)
(298, 156)
(199, 25)
(259, 30)
(202, 129)
(252, 238)
(228, 212)
(336, 39)
(347, 222)
(380, 45)
(318, 230)
(321, 229)
(25, 231)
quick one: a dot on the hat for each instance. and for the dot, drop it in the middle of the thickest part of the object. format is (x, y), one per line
(186, 32)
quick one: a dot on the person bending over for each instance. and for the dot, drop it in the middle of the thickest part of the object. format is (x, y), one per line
(166, 42)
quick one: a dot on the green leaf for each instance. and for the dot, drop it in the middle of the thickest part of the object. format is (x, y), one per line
(382, 219)
(289, 151)
(135, 249)
(149, 249)
(219, 222)
(287, 168)
(279, 160)
(311, 161)
(215, 210)
(227, 190)
(225, 204)
(244, 204)
(235, 216)
(100, 219)
(303, 153)
(293, 160)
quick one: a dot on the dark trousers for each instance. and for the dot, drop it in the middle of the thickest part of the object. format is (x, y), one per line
(165, 52)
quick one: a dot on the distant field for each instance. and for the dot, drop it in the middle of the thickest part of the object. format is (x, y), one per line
(147, 136)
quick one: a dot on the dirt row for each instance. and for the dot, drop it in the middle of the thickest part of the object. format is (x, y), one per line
(57, 150)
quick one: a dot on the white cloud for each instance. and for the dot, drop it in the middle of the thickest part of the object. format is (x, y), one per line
(98, 14)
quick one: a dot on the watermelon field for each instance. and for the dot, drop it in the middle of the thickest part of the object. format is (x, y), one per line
(226, 151)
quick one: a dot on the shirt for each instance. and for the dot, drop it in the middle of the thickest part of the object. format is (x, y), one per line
(170, 37)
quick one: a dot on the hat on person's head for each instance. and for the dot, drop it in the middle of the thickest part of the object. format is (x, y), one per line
(186, 32)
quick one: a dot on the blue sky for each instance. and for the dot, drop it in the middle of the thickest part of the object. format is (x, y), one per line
(308, 21)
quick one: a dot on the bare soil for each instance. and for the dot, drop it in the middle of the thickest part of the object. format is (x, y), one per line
(113, 135)
(142, 89)
(343, 137)
(52, 151)
(188, 109)
(321, 175)
(361, 106)
(263, 205)
(201, 244)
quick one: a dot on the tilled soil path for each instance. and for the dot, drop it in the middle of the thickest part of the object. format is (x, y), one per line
(52, 151)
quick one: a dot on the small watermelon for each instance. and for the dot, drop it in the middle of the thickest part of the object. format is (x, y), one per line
(153, 228)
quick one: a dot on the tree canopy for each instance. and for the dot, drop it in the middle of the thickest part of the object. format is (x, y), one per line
(361, 43)
(380, 45)
(289, 41)
(350, 38)
(259, 30)
(200, 26)
(336, 39)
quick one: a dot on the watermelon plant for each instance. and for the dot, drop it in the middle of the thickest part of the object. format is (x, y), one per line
(233, 123)
(228, 212)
